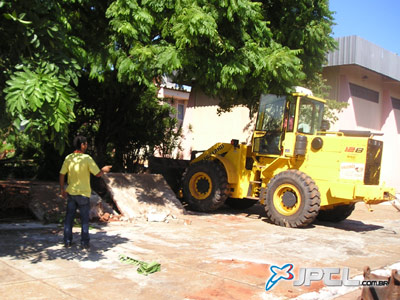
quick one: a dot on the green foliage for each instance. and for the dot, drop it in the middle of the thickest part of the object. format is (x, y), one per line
(109, 54)
(321, 89)
(19, 159)
(124, 122)
(41, 103)
(233, 50)
(171, 140)
(6, 150)
(39, 62)
(224, 47)
(31, 149)
(305, 25)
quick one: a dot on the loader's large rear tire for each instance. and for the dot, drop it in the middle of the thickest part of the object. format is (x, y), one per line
(336, 214)
(205, 186)
(292, 199)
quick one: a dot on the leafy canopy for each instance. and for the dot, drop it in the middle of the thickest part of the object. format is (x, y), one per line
(40, 69)
(231, 49)
(234, 50)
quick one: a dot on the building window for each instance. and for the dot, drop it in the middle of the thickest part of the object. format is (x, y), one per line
(181, 109)
(364, 93)
(395, 103)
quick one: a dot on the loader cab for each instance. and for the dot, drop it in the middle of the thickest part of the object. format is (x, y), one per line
(285, 116)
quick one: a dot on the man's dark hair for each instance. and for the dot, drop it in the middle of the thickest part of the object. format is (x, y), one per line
(78, 141)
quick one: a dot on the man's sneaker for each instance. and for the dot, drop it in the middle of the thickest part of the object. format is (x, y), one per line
(85, 246)
(67, 244)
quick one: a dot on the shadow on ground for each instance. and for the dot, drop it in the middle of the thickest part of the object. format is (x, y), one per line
(38, 245)
(258, 211)
(350, 225)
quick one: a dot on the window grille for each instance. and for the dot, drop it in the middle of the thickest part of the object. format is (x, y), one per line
(181, 111)
(395, 103)
(364, 93)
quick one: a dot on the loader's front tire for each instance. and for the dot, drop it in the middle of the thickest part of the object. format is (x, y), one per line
(336, 214)
(205, 186)
(292, 199)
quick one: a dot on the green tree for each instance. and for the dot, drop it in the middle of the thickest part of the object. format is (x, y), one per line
(321, 89)
(224, 47)
(304, 25)
(40, 68)
(233, 50)
(125, 121)
(52, 47)
(96, 63)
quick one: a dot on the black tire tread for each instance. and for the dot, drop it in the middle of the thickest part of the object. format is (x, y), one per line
(311, 202)
(240, 204)
(336, 214)
(220, 193)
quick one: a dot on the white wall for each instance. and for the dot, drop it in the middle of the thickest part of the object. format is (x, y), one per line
(203, 127)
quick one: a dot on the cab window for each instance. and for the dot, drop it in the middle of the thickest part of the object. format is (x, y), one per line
(267, 137)
(310, 116)
(270, 115)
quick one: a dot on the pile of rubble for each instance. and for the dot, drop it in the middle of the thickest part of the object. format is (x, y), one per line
(13, 194)
(145, 196)
(119, 196)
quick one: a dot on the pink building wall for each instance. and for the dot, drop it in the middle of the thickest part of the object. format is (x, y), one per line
(203, 126)
(355, 62)
(362, 114)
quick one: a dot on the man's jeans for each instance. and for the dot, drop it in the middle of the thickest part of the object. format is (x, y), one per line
(83, 203)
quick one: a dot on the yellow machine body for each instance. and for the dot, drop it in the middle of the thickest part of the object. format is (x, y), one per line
(345, 166)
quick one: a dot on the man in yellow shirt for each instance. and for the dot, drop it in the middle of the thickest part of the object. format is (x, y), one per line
(78, 166)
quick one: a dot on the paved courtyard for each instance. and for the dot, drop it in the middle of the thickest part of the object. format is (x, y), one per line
(224, 255)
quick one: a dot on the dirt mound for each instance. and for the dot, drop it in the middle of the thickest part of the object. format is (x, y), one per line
(143, 196)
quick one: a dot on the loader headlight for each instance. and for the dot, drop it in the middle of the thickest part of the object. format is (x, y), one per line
(317, 143)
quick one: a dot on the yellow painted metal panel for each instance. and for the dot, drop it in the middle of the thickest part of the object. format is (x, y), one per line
(342, 190)
(231, 170)
(337, 163)
(372, 194)
(289, 144)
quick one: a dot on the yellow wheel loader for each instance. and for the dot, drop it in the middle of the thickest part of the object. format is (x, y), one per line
(294, 166)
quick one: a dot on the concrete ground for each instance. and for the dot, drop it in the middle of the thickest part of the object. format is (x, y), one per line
(225, 255)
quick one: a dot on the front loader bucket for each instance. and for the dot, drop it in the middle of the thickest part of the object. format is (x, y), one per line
(171, 169)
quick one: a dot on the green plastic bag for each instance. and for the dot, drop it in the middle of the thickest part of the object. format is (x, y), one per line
(144, 268)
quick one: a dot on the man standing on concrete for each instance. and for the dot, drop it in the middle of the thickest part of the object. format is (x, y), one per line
(78, 165)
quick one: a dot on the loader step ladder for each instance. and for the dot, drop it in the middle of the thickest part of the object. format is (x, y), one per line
(255, 184)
